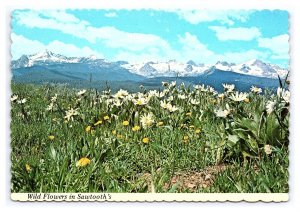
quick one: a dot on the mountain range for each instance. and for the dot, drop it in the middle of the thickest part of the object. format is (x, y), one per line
(47, 66)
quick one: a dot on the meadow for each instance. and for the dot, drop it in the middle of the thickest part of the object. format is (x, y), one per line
(175, 139)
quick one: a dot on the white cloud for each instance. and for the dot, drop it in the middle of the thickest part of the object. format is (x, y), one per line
(279, 45)
(223, 16)
(238, 33)
(22, 45)
(111, 15)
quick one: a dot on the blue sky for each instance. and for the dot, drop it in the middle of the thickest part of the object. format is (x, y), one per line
(205, 36)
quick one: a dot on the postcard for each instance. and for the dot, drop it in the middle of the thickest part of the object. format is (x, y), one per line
(149, 105)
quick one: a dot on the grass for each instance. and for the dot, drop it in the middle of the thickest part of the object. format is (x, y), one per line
(191, 149)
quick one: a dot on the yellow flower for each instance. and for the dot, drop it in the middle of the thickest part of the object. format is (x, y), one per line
(160, 123)
(120, 136)
(145, 140)
(98, 123)
(83, 162)
(188, 114)
(246, 100)
(88, 128)
(114, 132)
(125, 123)
(185, 139)
(192, 126)
(106, 118)
(136, 128)
(27, 167)
(197, 131)
(51, 137)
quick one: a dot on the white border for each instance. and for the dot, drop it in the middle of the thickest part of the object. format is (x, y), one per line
(290, 5)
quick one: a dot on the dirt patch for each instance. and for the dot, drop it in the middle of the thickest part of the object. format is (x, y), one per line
(193, 180)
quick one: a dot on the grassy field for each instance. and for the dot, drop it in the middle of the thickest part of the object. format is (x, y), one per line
(180, 139)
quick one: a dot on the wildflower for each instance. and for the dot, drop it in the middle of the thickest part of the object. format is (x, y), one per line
(27, 167)
(50, 107)
(106, 118)
(270, 106)
(194, 102)
(197, 131)
(192, 126)
(14, 98)
(221, 96)
(185, 139)
(98, 123)
(268, 149)
(80, 93)
(172, 108)
(255, 89)
(284, 94)
(114, 132)
(70, 113)
(121, 94)
(117, 103)
(54, 98)
(238, 97)
(22, 101)
(119, 136)
(147, 120)
(125, 123)
(247, 100)
(228, 88)
(88, 129)
(145, 140)
(160, 123)
(136, 128)
(83, 162)
(188, 114)
(140, 101)
(181, 96)
(222, 113)
(51, 137)
(164, 104)
(173, 84)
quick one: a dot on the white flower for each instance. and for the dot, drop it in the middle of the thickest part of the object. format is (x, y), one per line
(268, 149)
(147, 120)
(170, 99)
(22, 101)
(117, 103)
(270, 106)
(228, 88)
(80, 93)
(14, 98)
(164, 104)
(284, 94)
(210, 89)
(54, 98)
(173, 84)
(255, 89)
(181, 96)
(194, 102)
(152, 93)
(222, 113)
(70, 113)
(121, 94)
(238, 97)
(221, 96)
(200, 87)
(50, 107)
(140, 101)
(172, 108)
